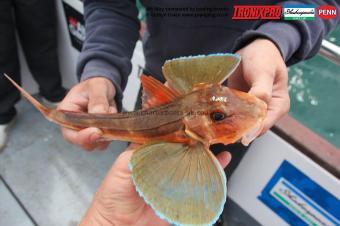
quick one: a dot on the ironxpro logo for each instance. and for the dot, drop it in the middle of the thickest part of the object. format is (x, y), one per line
(256, 12)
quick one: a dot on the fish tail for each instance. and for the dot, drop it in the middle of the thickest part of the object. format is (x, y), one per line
(45, 111)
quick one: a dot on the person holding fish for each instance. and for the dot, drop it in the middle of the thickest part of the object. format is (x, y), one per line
(174, 177)
(266, 49)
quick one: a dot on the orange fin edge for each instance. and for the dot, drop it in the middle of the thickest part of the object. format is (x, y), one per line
(156, 93)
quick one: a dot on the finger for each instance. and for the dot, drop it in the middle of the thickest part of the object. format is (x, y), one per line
(98, 103)
(262, 86)
(279, 106)
(122, 162)
(236, 81)
(132, 147)
(101, 96)
(86, 138)
(113, 107)
(280, 102)
(69, 135)
(75, 100)
(102, 145)
(224, 158)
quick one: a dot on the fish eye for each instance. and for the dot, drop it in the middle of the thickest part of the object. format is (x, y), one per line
(217, 116)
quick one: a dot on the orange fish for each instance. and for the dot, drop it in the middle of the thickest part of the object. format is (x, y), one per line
(174, 171)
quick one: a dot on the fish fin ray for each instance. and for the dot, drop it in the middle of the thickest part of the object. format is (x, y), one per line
(184, 184)
(156, 93)
(185, 72)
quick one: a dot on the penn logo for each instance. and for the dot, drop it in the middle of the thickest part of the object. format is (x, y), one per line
(256, 12)
(327, 12)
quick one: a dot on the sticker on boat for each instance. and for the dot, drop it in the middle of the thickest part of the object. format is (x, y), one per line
(298, 200)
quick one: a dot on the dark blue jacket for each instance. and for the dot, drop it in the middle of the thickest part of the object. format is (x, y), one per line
(112, 29)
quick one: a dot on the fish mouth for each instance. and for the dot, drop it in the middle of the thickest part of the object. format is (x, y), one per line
(252, 133)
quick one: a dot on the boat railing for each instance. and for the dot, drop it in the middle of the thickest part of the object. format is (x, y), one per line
(330, 51)
(308, 142)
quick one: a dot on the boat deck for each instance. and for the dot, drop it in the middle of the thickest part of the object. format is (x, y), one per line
(46, 181)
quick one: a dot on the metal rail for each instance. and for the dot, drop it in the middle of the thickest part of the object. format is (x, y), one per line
(308, 142)
(330, 51)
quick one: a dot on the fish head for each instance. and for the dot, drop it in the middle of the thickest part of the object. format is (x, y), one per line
(224, 115)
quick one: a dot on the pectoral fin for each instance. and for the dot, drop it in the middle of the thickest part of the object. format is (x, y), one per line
(183, 184)
(185, 72)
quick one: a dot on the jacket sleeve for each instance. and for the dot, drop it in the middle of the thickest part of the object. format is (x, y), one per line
(297, 39)
(112, 30)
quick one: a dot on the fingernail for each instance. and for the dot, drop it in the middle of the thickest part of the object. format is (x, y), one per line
(96, 135)
(95, 130)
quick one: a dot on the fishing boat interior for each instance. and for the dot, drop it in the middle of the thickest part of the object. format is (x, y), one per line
(291, 173)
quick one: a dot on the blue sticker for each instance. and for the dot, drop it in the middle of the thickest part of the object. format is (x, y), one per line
(299, 200)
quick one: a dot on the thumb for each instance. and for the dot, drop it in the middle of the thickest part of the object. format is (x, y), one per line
(262, 87)
(98, 104)
(224, 158)
(98, 100)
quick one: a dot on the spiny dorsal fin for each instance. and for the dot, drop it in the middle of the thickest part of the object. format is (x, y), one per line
(156, 93)
(184, 184)
(185, 72)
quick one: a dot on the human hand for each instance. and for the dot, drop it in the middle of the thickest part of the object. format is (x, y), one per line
(94, 95)
(116, 201)
(263, 73)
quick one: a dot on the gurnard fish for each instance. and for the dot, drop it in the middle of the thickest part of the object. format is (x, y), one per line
(173, 170)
